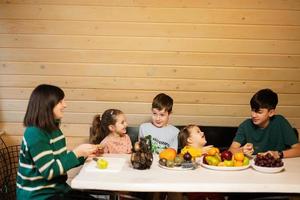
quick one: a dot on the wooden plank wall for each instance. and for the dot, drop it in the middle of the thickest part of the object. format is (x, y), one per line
(209, 55)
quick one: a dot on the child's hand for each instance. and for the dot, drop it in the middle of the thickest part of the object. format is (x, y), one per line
(85, 150)
(274, 154)
(248, 149)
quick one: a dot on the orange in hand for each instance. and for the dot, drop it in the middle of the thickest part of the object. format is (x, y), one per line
(169, 154)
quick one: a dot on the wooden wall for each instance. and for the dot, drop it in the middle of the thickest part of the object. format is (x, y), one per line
(211, 56)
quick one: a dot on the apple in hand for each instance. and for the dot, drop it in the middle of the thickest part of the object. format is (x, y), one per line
(226, 155)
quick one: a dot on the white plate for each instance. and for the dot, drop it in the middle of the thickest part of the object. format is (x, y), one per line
(266, 169)
(114, 165)
(177, 168)
(223, 168)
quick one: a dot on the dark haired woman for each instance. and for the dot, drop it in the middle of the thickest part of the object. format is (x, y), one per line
(44, 159)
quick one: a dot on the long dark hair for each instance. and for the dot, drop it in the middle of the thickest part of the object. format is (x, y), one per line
(39, 111)
(100, 125)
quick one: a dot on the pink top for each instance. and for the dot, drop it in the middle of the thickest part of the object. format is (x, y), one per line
(113, 144)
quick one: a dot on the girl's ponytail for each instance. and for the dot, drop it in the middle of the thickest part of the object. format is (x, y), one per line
(95, 130)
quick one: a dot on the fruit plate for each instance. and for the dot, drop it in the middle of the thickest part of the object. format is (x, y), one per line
(114, 165)
(266, 169)
(178, 168)
(223, 168)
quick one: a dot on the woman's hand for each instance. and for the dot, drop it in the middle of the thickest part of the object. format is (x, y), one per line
(99, 151)
(85, 150)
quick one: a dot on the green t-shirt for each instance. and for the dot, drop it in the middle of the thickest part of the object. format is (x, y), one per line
(277, 136)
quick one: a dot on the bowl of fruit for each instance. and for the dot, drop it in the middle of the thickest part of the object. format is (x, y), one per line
(168, 159)
(267, 163)
(225, 161)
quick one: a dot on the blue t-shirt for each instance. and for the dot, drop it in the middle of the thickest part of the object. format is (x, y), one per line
(277, 136)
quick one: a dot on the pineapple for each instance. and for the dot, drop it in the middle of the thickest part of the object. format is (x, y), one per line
(141, 157)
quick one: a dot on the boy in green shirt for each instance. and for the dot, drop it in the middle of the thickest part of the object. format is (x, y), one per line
(265, 131)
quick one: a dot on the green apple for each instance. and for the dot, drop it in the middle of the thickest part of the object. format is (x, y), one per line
(212, 160)
(246, 161)
(228, 163)
(102, 164)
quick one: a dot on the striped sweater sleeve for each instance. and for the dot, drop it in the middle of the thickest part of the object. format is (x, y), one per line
(50, 156)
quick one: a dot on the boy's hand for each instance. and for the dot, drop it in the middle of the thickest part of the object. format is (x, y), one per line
(275, 154)
(248, 149)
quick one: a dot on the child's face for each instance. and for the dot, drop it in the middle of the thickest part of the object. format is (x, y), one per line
(160, 118)
(261, 117)
(121, 125)
(196, 138)
(58, 110)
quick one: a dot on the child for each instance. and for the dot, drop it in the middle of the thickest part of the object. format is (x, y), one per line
(110, 132)
(191, 135)
(163, 135)
(266, 131)
(44, 159)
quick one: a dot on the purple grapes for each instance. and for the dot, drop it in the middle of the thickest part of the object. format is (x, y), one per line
(267, 161)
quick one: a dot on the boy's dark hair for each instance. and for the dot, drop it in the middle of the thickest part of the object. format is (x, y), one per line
(100, 126)
(264, 98)
(163, 101)
(39, 111)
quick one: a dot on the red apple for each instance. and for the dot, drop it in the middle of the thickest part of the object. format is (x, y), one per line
(226, 155)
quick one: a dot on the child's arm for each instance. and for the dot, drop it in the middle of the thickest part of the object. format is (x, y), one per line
(294, 151)
(247, 149)
(129, 144)
(235, 147)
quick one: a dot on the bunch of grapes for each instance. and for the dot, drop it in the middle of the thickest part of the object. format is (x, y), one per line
(267, 161)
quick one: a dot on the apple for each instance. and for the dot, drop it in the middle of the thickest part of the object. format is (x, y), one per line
(212, 160)
(226, 155)
(228, 163)
(102, 164)
(246, 161)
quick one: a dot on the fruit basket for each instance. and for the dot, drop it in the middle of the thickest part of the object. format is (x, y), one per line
(223, 168)
(225, 161)
(168, 159)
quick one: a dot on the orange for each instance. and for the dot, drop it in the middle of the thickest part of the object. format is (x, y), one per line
(213, 151)
(169, 154)
(238, 163)
(239, 156)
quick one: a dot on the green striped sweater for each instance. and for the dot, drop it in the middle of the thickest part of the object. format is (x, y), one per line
(43, 164)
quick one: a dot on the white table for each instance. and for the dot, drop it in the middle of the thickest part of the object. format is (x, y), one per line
(198, 180)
